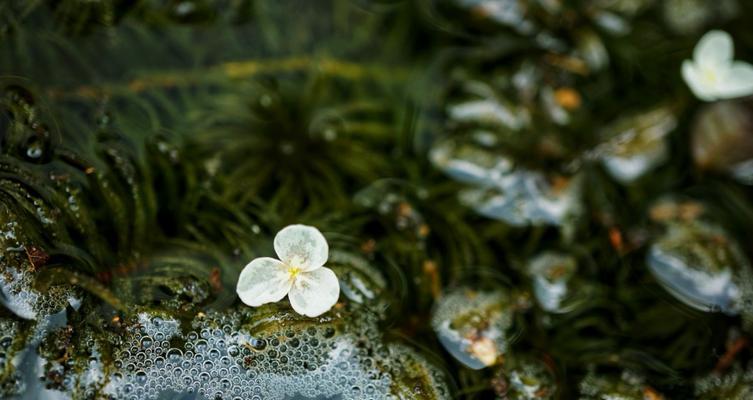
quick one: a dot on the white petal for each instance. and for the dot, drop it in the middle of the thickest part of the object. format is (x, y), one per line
(302, 247)
(263, 280)
(695, 80)
(314, 292)
(737, 82)
(714, 49)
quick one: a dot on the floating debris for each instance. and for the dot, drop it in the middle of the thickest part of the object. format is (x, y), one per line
(473, 326)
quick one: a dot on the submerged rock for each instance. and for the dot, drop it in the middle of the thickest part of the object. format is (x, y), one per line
(504, 191)
(722, 139)
(627, 386)
(484, 107)
(552, 275)
(734, 385)
(360, 281)
(473, 326)
(690, 16)
(591, 49)
(525, 378)
(19, 262)
(699, 264)
(636, 144)
(489, 14)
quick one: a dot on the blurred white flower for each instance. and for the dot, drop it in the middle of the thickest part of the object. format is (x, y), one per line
(713, 74)
(311, 288)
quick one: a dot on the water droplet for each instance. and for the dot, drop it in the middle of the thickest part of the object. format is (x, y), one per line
(34, 149)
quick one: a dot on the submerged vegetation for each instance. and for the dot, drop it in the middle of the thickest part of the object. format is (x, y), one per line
(522, 199)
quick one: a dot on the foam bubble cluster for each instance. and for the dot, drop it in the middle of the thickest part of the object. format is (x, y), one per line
(627, 386)
(220, 358)
(736, 384)
(16, 291)
(8, 331)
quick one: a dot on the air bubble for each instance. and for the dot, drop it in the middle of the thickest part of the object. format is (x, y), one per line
(174, 355)
(34, 149)
(258, 344)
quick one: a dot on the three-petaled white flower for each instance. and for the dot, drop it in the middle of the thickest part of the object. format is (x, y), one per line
(311, 288)
(713, 74)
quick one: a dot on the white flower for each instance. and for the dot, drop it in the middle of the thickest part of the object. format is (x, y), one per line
(713, 74)
(311, 288)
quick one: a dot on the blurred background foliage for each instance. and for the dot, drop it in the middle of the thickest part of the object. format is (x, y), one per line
(150, 148)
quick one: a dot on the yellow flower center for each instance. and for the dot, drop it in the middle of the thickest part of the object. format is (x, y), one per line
(294, 271)
(710, 75)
